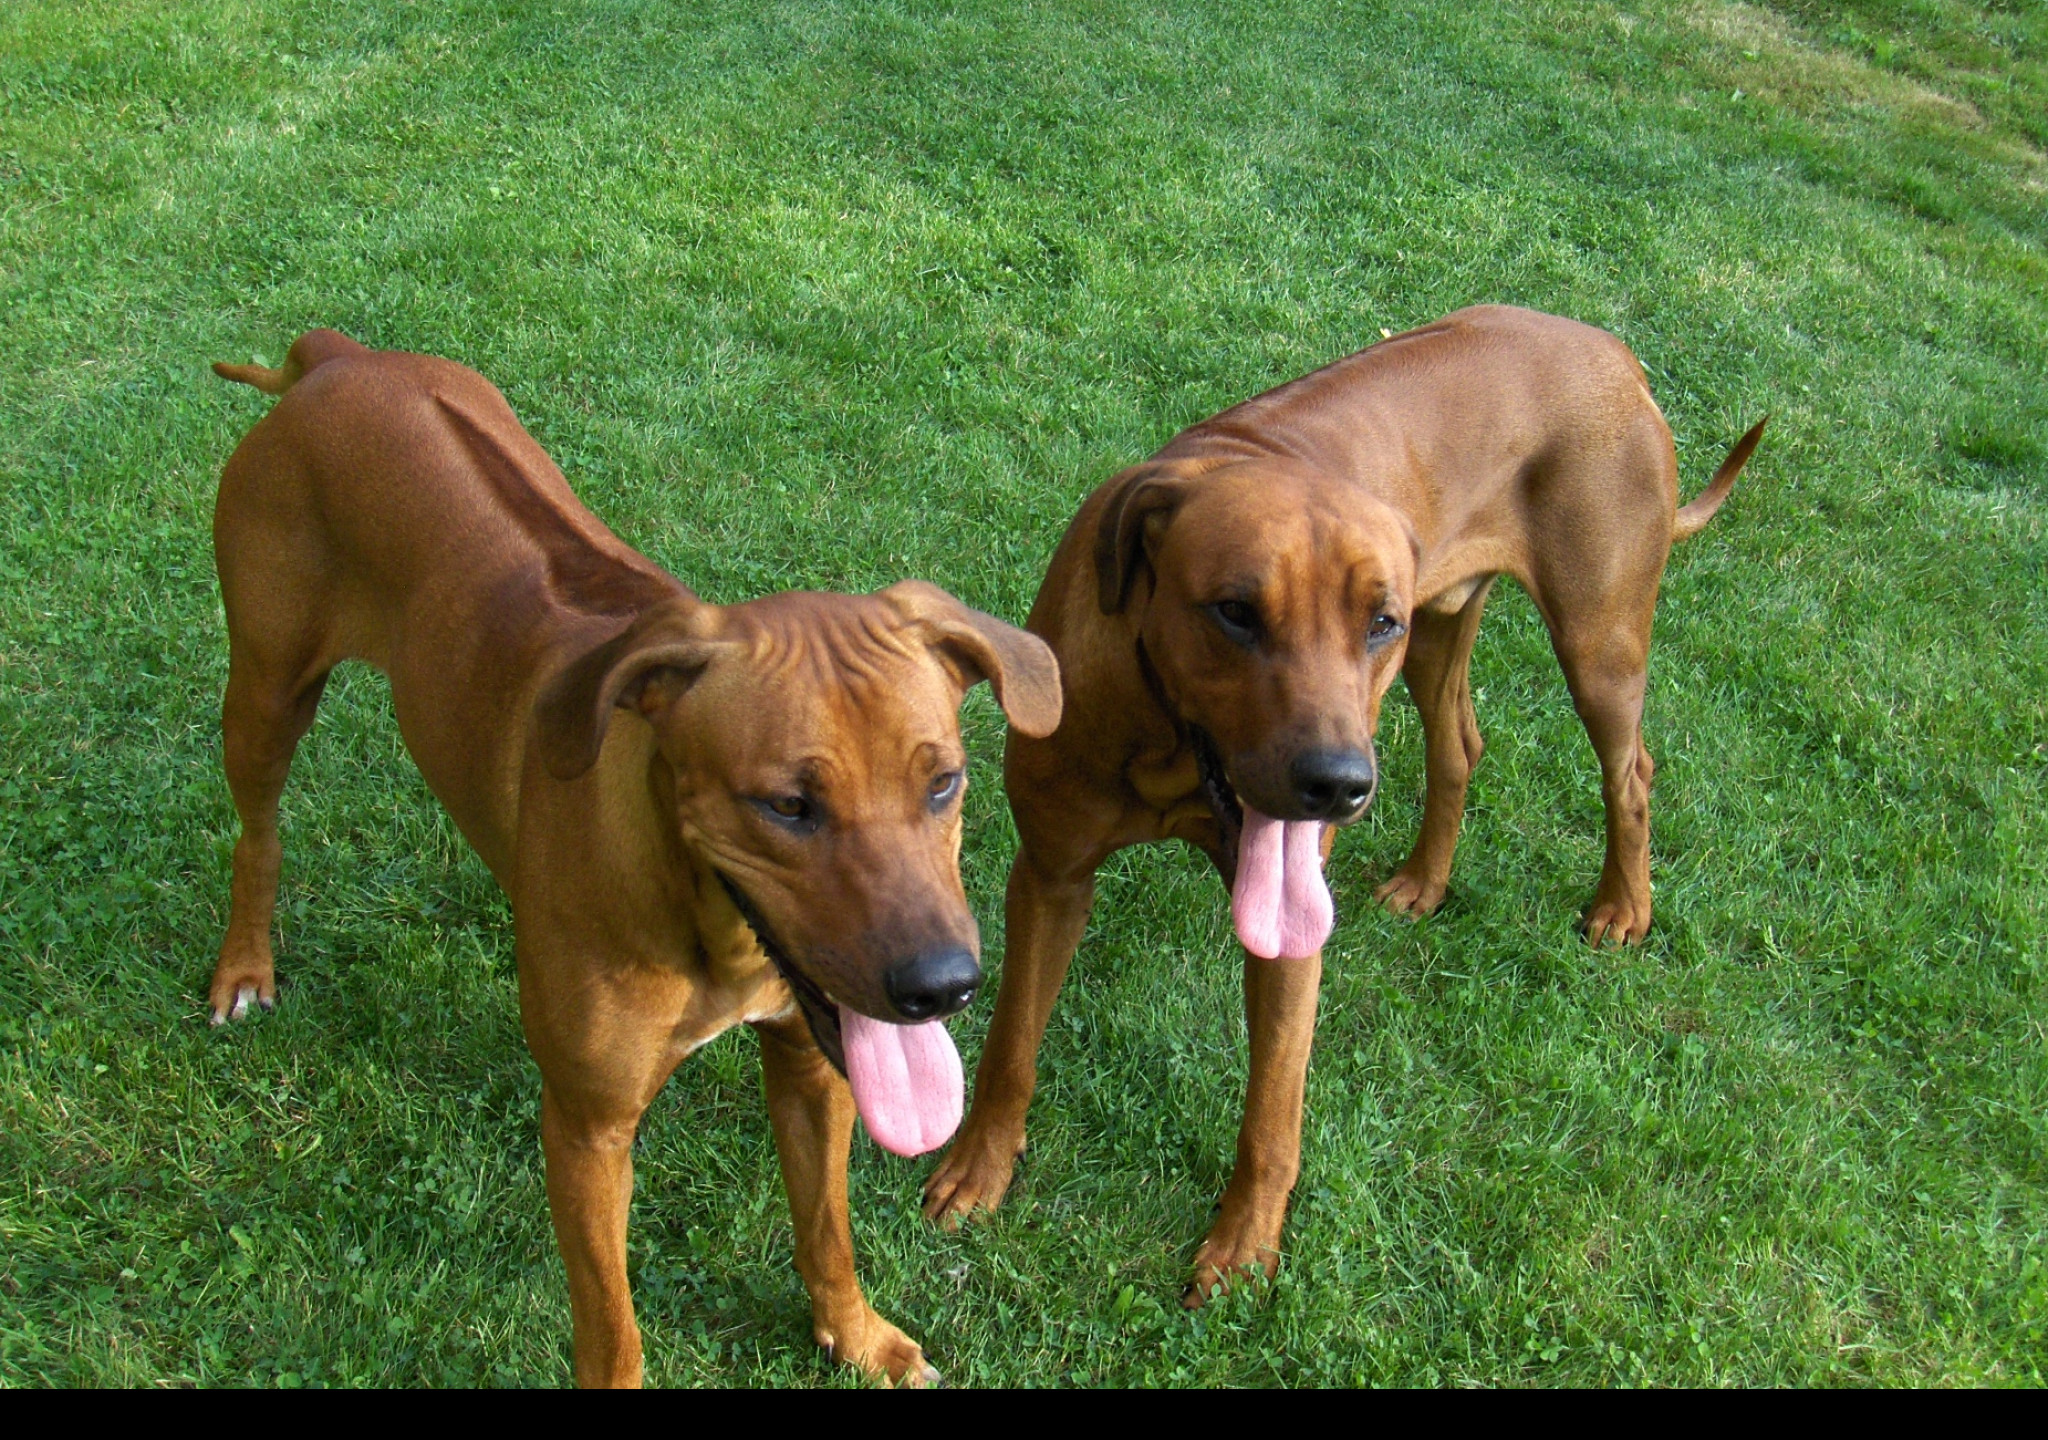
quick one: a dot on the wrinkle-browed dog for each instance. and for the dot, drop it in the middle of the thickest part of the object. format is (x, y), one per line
(1228, 617)
(703, 815)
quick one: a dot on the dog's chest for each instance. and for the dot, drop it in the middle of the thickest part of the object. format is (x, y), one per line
(771, 1000)
(735, 983)
(716, 1007)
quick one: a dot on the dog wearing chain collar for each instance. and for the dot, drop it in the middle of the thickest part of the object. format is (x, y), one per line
(1228, 617)
(704, 815)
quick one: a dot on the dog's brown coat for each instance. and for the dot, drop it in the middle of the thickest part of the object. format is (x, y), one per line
(1384, 491)
(391, 509)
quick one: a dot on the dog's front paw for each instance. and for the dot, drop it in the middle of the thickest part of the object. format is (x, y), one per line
(974, 1176)
(1617, 919)
(239, 980)
(1237, 1249)
(879, 1350)
(1214, 1276)
(1409, 892)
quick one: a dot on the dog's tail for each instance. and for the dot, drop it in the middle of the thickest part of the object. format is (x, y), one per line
(309, 352)
(1694, 517)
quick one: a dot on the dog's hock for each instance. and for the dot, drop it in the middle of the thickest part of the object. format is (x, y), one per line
(1018, 666)
(575, 709)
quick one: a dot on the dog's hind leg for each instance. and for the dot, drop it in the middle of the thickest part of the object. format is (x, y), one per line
(280, 648)
(1598, 545)
(264, 716)
(1607, 668)
(1437, 671)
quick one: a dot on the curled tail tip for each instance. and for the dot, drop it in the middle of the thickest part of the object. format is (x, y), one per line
(309, 352)
(1693, 518)
(270, 382)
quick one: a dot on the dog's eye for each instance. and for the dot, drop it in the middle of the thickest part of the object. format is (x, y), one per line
(943, 788)
(1237, 619)
(790, 807)
(1383, 629)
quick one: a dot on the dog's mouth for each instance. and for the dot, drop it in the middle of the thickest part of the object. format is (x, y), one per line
(820, 1013)
(1222, 798)
(907, 1080)
(1279, 900)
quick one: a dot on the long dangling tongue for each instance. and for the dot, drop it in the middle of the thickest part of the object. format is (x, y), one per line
(906, 1080)
(1281, 902)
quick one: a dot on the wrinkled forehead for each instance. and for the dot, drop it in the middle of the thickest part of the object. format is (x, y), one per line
(842, 679)
(1254, 528)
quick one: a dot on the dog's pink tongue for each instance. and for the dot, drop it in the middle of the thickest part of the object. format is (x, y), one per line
(1281, 902)
(906, 1080)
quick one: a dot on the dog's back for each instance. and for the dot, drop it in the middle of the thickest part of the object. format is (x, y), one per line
(391, 509)
(402, 466)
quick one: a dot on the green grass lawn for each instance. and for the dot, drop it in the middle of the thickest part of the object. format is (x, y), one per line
(824, 295)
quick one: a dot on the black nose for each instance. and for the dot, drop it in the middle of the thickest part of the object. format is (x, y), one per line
(936, 984)
(1333, 784)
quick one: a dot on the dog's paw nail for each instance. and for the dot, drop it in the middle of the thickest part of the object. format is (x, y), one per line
(217, 1018)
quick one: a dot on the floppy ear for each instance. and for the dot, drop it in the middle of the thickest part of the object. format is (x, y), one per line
(1144, 495)
(1018, 665)
(671, 642)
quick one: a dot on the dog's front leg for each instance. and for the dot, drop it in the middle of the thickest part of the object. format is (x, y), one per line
(812, 1111)
(1046, 921)
(1280, 1016)
(589, 1156)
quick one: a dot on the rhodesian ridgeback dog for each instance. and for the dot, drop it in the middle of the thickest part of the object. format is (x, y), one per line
(1228, 617)
(704, 815)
